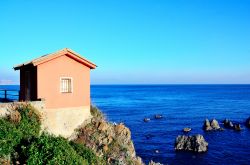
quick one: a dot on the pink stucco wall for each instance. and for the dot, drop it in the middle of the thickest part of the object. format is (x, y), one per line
(48, 83)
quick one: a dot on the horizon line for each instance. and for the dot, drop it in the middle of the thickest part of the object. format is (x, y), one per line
(176, 84)
(156, 84)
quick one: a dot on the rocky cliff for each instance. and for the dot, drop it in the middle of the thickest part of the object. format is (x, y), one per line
(110, 141)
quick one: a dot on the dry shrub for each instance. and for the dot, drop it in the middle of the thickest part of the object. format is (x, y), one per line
(17, 110)
(14, 116)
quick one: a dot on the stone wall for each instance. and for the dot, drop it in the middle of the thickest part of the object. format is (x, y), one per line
(39, 105)
(60, 121)
(63, 121)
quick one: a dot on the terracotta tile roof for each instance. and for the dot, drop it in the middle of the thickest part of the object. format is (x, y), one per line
(48, 57)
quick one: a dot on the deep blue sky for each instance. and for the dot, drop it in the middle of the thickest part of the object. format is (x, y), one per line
(133, 41)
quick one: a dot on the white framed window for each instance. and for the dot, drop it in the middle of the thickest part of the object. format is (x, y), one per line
(66, 85)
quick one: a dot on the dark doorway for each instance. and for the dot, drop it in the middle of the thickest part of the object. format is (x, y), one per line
(27, 85)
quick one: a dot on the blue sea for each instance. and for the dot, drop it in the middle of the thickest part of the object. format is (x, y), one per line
(181, 106)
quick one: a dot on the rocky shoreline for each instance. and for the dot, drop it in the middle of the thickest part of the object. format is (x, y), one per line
(110, 141)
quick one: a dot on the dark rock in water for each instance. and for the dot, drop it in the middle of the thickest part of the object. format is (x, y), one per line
(195, 143)
(248, 122)
(187, 130)
(146, 119)
(228, 124)
(237, 127)
(211, 125)
(158, 116)
(206, 125)
(149, 136)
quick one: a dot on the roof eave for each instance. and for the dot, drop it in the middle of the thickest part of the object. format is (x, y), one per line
(18, 67)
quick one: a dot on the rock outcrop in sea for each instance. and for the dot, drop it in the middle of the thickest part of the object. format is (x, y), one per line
(146, 119)
(158, 116)
(211, 125)
(187, 129)
(247, 123)
(230, 125)
(195, 143)
(237, 127)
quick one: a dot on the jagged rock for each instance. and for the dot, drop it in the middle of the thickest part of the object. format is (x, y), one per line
(214, 124)
(207, 126)
(110, 139)
(112, 142)
(102, 126)
(119, 128)
(228, 124)
(158, 116)
(146, 119)
(105, 148)
(154, 163)
(187, 130)
(237, 127)
(211, 125)
(248, 122)
(194, 143)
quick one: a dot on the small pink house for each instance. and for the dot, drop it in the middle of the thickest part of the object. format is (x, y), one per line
(62, 79)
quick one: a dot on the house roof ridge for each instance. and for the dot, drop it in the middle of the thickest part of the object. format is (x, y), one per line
(51, 56)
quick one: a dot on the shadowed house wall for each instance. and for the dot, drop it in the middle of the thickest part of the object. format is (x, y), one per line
(48, 80)
(28, 81)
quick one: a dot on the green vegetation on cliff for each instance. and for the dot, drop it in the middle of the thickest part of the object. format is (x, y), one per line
(22, 123)
(22, 142)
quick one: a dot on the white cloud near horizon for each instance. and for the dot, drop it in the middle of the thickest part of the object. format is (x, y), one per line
(8, 77)
(8, 82)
